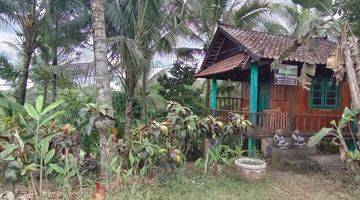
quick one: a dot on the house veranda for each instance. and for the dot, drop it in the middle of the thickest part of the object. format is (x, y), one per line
(271, 100)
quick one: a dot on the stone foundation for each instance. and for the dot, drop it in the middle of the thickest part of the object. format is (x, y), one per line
(294, 159)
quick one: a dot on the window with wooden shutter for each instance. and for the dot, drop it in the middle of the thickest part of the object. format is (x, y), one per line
(324, 93)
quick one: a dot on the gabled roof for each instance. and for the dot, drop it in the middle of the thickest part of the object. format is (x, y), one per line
(270, 46)
(231, 63)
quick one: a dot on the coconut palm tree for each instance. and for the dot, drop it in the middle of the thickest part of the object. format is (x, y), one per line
(30, 21)
(29, 16)
(139, 29)
(103, 78)
(295, 20)
(67, 24)
(206, 14)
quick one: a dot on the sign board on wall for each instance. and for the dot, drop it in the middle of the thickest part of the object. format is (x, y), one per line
(286, 75)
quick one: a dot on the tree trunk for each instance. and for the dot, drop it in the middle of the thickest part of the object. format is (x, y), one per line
(103, 77)
(46, 84)
(21, 91)
(54, 78)
(353, 41)
(128, 116)
(144, 94)
(351, 77)
(207, 96)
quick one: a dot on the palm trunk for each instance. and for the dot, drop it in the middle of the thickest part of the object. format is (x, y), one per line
(207, 96)
(128, 116)
(46, 84)
(351, 77)
(21, 92)
(144, 94)
(54, 78)
(356, 61)
(103, 77)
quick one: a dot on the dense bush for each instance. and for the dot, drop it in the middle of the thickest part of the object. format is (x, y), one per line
(40, 141)
(178, 87)
(179, 137)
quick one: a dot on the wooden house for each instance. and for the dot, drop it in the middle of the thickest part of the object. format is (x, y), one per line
(275, 99)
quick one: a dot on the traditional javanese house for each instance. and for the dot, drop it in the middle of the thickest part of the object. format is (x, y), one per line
(273, 99)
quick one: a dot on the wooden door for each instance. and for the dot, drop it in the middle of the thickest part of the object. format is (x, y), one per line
(264, 95)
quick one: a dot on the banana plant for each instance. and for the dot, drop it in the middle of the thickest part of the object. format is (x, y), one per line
(336, 132)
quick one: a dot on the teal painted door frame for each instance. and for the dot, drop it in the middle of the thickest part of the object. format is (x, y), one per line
(213, 97)
(254, 90)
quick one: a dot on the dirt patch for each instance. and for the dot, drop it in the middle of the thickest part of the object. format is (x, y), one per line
(290, 185)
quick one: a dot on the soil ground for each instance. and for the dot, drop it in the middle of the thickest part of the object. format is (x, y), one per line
(188, 184)
(285, 185)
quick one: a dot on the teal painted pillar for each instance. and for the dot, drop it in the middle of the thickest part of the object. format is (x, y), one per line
(213, 96)
(352, 145)
(254, 82)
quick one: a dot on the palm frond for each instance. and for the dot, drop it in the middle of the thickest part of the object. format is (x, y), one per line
(188, 53)
(251, 13)
(276, 28)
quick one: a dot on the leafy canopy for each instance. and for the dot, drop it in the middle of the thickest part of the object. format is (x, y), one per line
(179, 87)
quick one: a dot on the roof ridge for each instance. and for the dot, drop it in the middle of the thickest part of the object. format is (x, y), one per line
(266, 33)
(250, 30)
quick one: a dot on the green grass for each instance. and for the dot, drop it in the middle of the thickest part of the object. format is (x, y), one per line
(186, 186)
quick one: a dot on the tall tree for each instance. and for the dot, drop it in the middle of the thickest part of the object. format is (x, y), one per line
(66, 26)
(139, 29)
(29, 16)
(7, 70)
(103, 76)
(295, 20)
(204, 16)
(179, 87)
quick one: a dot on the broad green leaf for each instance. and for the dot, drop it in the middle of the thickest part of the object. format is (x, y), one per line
(333, 122)
(8, 150)
(72, 173)
(49, 170)
(150, 150)
(31, 167)
(52, 117)
(22, 120)
(144, 170)
(10, 174)
(113, 161)
(44, 143)
(49, 156)
(16, 163)
(314, 140)
(9, 158)
(44, 146)
(57, 169)
(48, 138)
(89, 126)
(39, 103)
(52, 106)
(130, 172)
(131, 159)
(31, 111)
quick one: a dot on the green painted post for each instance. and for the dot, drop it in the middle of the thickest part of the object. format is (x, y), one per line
(254, 82)
(213, 96)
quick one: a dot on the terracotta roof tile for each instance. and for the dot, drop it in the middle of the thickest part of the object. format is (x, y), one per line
(236, 61)
(270, 46)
